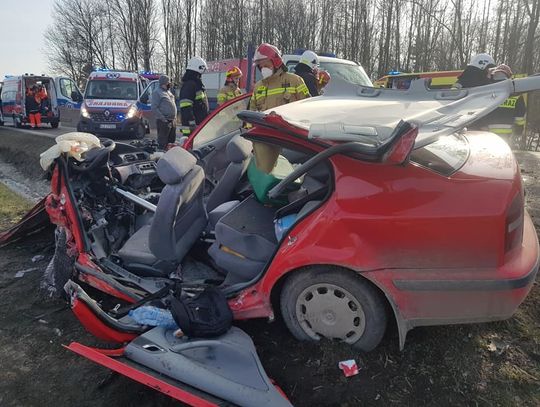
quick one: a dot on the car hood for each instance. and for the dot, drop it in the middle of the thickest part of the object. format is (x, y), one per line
(370, 115)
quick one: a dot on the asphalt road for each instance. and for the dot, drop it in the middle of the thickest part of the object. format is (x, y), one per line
(47, 131)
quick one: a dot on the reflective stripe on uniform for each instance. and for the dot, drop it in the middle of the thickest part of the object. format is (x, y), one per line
(500, 128)
(200, 95)
(186, 103)
(519, 121)
(302, 88)
(510, 103)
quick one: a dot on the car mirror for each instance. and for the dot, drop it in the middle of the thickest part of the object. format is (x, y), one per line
(144, 99)
(76, 96)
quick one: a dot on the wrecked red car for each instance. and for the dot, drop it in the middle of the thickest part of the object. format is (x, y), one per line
(381, 206)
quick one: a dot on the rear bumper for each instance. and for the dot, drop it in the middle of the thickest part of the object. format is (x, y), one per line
(452, 296)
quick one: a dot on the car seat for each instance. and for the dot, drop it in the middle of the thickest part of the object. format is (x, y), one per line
(180, 218)
(238, 154)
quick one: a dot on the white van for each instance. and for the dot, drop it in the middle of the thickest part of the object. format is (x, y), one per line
(63, 101)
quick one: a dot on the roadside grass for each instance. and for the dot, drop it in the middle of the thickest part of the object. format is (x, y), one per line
(12, 207)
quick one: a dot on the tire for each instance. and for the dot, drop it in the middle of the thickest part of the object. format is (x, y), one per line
(54, 124)
(331, 302)
(140, 132)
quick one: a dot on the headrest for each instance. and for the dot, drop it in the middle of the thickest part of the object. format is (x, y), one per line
(174, 165)
(238, 149)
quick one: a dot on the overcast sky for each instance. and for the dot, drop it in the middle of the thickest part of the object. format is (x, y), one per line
(22, 26)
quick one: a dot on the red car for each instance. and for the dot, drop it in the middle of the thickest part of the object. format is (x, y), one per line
(381, 206)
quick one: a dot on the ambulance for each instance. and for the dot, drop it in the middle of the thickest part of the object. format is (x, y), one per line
(111, 105)
(62, 103)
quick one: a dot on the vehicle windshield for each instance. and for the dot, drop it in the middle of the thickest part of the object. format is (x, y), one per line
(107, 89)
(354, 74)
(223, 123)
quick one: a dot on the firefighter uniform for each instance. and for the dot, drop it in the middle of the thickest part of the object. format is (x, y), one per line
(508, 120)
(193, 104)
(279, 89)
(228, 92)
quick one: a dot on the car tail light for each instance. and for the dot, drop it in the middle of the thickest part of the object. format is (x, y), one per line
(514, 223)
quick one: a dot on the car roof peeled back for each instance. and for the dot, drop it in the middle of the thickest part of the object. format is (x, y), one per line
(370, 115)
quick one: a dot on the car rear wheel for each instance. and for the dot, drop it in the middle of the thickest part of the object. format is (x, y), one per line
(333, 303)
(54, 124)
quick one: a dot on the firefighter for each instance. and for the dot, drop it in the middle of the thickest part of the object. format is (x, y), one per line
(508, 120)
(477, 72)
(277, 88)
(193, 100)
(323, 77)
(164, 109)
(306, 69)
(33, 107)
(230, 90)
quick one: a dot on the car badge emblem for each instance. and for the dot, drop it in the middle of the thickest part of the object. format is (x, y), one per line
(107, 113)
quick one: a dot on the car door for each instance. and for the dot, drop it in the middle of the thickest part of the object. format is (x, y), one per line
(144, 104)
(209, 140)
(68, 98)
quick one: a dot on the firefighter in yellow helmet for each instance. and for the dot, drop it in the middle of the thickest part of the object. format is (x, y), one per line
(277, 88)
(230, 90)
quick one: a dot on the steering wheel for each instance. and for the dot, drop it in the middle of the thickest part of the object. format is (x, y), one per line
(96, 157)
(107, 143)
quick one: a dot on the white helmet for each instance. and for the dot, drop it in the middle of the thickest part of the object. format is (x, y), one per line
(482, 61)
(310, 58)
(197, 64)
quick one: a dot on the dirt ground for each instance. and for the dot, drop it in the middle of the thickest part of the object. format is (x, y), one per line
(492, 364)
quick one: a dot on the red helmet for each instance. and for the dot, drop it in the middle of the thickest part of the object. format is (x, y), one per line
(267, 51)
(323, 77)
(233, 73)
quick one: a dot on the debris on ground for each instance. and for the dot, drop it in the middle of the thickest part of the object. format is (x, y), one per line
(349, 367)
(21, 273)
(37, 257)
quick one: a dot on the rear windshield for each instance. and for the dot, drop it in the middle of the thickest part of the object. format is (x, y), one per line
(101, 89)
(444, 156)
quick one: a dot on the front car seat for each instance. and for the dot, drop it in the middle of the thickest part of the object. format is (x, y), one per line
(238, 154)
(180, 218)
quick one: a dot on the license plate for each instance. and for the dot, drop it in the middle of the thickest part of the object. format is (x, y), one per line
(107, 126)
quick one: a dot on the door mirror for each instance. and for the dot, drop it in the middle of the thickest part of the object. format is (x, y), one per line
(144, 98)
(76, 96)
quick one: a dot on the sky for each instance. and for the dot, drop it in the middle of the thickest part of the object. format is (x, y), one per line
(22, 28)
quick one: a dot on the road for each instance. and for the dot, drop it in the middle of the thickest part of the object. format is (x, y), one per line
(52, 133)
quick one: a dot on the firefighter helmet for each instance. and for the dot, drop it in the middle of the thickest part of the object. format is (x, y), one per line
(482, 61)
(310, 58)
(267, 51)
(197, 64)
(323, 78)
(501, 73)
(233, 73)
